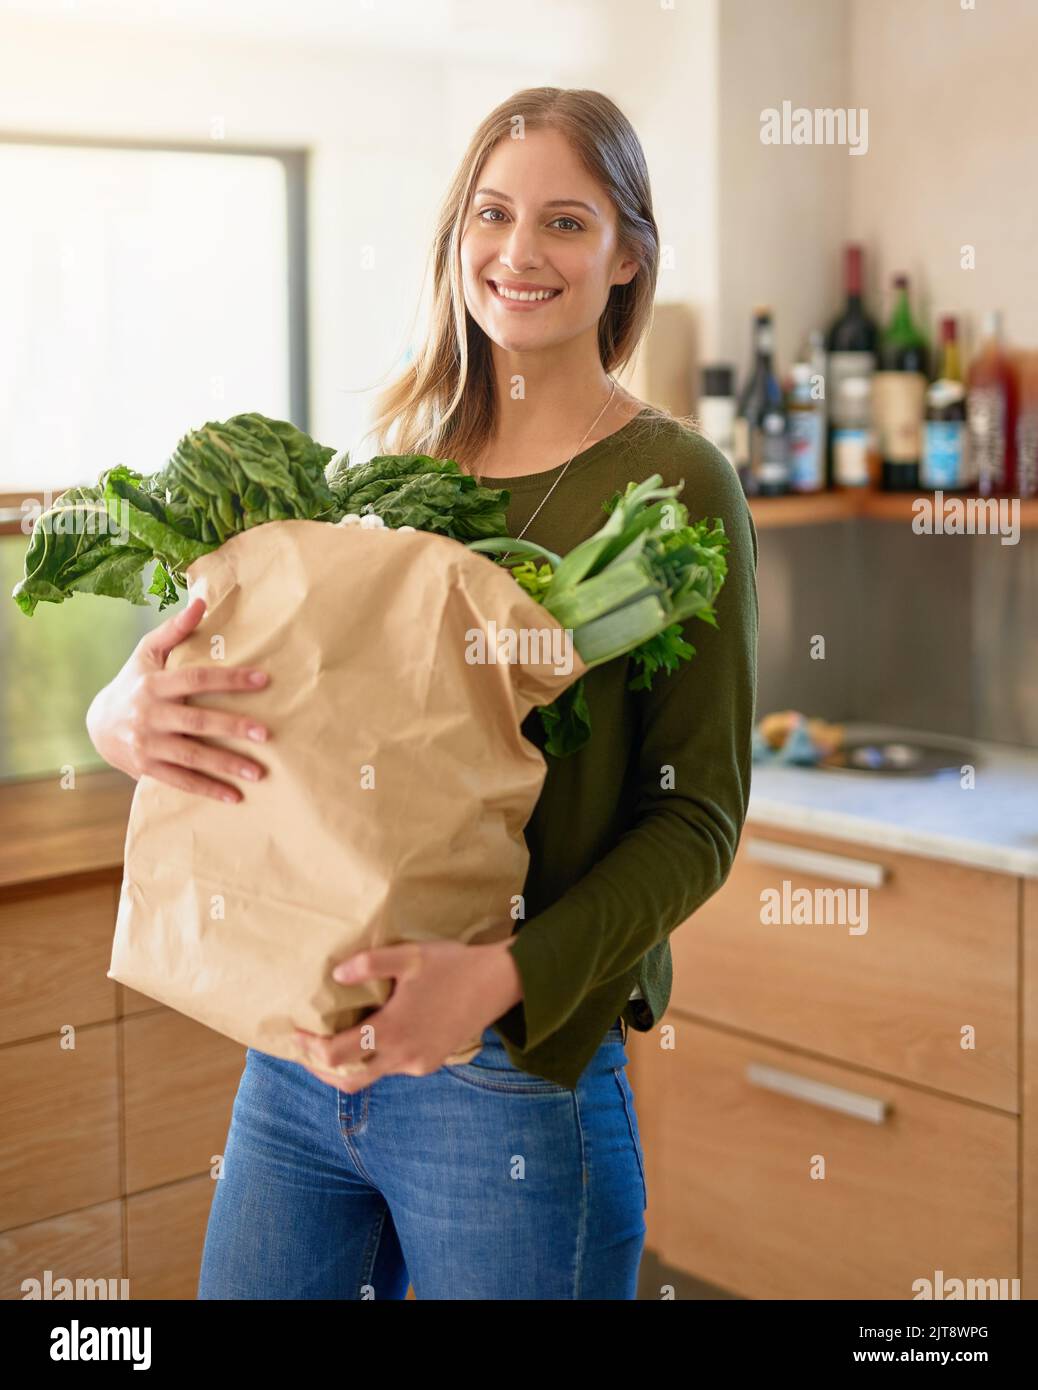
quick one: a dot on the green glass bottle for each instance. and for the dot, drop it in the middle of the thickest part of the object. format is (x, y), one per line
(899, 394)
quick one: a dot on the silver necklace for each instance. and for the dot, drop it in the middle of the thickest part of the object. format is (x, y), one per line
(559, 479)
(569, 462)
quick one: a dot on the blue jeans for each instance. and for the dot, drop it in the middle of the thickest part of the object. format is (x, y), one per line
(477, 1181)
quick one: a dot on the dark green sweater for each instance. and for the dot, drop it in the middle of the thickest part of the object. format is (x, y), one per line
(621, 853)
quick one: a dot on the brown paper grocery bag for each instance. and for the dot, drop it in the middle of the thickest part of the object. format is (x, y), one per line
(397, 788)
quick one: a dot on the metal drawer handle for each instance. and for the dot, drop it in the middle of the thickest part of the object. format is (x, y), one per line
(815, 861)
(787, 1083)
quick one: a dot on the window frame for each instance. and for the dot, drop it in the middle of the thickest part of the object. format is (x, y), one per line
(295, 161)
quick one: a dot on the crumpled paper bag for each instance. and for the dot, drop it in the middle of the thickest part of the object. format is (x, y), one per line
(397, 789)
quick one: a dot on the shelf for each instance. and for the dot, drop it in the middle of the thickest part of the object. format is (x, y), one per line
(821, 508)
(807, 509)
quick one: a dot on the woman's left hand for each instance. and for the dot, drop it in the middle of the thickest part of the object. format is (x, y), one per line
(445, 994)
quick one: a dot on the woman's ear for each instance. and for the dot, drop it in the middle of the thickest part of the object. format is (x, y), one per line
(625, 271)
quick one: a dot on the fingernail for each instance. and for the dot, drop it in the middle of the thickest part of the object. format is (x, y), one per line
(257, 677)
(257, 732)
(230, 797)
(250, 773)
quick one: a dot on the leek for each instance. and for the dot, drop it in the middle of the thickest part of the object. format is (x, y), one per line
(625, 591)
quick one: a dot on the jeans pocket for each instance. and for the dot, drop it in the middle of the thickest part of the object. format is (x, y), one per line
(624, 1087)
(505, 1078)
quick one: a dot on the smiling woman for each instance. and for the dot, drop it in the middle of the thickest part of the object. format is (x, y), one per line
(545, 261)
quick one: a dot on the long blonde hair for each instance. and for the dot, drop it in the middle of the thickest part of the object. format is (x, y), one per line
(443, 403)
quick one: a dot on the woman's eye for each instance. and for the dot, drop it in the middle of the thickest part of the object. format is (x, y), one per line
(482, 214)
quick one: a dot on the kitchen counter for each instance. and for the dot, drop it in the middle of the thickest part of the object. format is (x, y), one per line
(54, 833)
(51, 832)
(992, 826)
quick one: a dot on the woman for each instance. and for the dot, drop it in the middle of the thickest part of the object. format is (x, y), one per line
(519, 1174)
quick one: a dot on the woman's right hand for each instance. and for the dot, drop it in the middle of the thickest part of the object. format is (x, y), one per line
(140, 724)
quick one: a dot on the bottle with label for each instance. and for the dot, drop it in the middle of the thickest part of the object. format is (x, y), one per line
(805, 433)
(899, 394)
(1027, 428)
(760, 420)
(851, 344)
(991, 403)
(945, 461)
(816, 355)
(717, 407)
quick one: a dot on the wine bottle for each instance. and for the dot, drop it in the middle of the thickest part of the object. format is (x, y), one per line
(899, 394)
(1027, 428)
(851, 346)
(760, 423)
(717, 407)
(805, 433)
(945, 461)
(991, 405)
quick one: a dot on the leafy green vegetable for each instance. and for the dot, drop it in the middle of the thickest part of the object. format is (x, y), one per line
(224, 478)
(567, 721)
(626, 590)
(664, 652)
(417, 490)
(221, 479)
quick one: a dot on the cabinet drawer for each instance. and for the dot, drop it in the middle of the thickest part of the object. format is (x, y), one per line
(938, 956)
(55, 949)
(60, 1126)
(924, 1183)
(165, 1235)
(86, 1244)
(181, 1079)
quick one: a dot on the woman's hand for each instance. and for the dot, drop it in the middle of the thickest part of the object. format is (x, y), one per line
(445, 994)
(140, 724)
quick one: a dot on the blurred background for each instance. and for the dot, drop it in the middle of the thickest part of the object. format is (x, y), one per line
(217, 207)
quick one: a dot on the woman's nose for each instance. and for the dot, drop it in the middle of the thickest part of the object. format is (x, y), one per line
(519, 251)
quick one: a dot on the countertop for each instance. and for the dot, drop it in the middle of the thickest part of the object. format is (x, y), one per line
(992, 826)
(51, 833)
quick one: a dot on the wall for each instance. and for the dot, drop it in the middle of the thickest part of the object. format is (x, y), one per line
(782, 208)
(954, 149)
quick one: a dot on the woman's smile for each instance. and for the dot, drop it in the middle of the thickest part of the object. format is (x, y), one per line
(522, 294)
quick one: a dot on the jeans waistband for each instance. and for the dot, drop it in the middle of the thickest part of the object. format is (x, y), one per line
(618, 1027)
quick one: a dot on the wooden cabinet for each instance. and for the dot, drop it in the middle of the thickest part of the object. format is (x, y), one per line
(112, 1107)
(54, 952)
(835, 1114)
(937, 956)
(61, 1125)
(788, 1177)
(165, 1232)
(180, 1083)
(84, 1244)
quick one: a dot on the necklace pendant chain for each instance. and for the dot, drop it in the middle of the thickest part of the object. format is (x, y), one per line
(566, 465)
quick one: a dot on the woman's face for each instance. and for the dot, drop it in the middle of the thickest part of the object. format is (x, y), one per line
(538, 220)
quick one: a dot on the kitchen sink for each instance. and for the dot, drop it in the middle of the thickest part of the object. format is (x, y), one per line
(897, 758)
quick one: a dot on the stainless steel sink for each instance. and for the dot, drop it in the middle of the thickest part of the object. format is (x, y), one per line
(895, 758)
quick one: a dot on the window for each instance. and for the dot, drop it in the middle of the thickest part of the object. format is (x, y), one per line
(144, 291)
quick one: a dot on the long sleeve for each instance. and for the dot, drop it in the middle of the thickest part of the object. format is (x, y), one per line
(692, 766)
